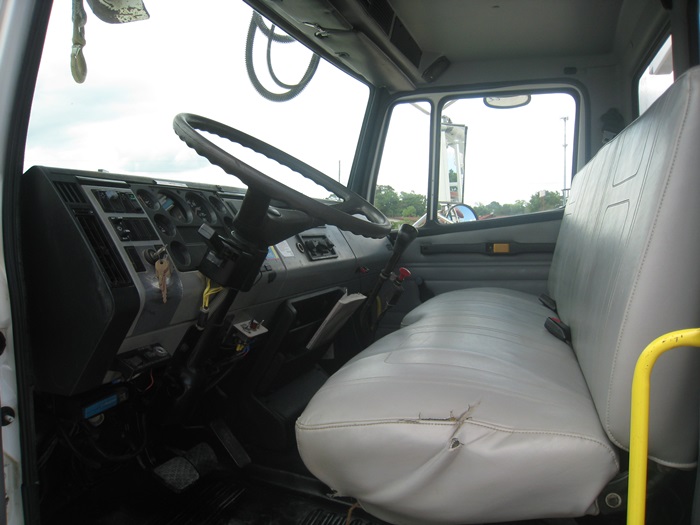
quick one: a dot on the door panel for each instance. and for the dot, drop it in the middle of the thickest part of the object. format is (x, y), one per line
(514, 252)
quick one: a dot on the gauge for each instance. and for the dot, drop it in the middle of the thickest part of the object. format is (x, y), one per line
(200, 207)
(148, 199)
(218, 204)
(181, 255)
(164, 225)
(172, 204)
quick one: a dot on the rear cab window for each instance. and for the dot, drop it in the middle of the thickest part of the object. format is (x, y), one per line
(656, 77)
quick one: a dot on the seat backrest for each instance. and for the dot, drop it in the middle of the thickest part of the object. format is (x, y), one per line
(627, 269)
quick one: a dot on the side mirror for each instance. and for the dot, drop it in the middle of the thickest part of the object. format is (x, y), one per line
(462, 213)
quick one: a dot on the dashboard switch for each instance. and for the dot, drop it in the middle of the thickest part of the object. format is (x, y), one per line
(251, 328)
(316, 246)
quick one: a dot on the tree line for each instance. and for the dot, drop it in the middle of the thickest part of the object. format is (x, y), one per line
(540, 201)
(412, 204)
(402, 204)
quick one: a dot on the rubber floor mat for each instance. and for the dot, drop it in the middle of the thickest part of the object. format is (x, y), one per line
(324, 517)
(211, 505)
(228, 502)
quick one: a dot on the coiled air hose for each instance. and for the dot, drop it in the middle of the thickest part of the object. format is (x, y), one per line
(292, 90)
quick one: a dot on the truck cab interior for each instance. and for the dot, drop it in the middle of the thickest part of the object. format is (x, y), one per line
(346, 261)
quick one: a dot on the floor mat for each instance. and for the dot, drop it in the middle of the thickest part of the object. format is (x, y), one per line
(227, 502)
(323, 517)
(265, 505)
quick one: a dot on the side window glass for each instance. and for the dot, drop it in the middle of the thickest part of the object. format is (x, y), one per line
(504, 156)
(657, 76)
(402, 182)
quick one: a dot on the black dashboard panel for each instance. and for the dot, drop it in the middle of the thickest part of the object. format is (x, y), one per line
(88, 245)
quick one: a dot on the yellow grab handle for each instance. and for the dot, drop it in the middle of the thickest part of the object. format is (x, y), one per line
(639, 424)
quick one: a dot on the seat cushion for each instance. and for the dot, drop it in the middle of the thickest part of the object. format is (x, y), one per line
(471, 412)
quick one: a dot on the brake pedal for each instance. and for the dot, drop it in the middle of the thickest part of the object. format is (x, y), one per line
(181, 472)
(177, 474)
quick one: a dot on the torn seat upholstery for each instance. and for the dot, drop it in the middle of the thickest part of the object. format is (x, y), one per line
(472, 412)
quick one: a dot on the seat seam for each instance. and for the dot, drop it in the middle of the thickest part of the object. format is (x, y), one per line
(330, 426)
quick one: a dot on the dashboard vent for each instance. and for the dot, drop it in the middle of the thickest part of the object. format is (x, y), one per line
(133, 229)
(143, 230)
(70, 192)
(104, 250)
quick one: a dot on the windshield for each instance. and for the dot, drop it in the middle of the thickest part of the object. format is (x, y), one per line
(187, 57)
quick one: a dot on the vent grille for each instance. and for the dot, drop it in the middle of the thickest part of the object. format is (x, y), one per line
(143, 231)
(110, 261)
(133, 229)
(381, 11)
(70, 192)
(403, 40)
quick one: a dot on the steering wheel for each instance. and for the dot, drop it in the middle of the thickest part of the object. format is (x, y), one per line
(255, 220)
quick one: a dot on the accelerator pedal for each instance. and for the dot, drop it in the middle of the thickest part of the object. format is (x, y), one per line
(181, 472)
(231, 444)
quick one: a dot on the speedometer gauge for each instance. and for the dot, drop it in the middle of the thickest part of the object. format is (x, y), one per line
(174, 206)
(200, 207)
(148, 199)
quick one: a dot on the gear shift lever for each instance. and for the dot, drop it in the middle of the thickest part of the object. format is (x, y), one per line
(405, 236)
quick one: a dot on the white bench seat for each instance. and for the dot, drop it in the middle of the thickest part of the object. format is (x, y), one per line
(467, 389)
(472, 412)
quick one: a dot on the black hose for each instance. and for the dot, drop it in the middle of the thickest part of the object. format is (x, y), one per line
(293, 90)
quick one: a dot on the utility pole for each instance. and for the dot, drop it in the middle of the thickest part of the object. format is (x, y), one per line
(563, 191)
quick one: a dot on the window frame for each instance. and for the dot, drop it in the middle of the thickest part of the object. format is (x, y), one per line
(579, 142)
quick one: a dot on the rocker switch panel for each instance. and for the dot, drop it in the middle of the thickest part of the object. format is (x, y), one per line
(317, 247)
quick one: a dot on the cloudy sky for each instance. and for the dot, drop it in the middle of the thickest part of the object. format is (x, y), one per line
(189, 57)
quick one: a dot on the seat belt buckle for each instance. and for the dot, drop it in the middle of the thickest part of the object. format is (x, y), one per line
(558, 329)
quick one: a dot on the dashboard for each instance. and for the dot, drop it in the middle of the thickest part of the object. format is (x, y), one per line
(90, 242)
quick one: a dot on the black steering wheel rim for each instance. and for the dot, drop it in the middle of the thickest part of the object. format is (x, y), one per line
(188, 127)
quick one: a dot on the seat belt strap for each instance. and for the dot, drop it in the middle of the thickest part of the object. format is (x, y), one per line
(548, 302)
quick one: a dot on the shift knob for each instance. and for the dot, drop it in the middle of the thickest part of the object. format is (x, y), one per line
(406, 235)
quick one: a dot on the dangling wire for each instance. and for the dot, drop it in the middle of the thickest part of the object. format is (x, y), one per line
(292, 90)
(209, 292)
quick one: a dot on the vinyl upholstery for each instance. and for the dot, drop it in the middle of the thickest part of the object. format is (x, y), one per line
(472, 412)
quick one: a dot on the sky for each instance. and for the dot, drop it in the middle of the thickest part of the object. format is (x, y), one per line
(187, 58)
(183, 59)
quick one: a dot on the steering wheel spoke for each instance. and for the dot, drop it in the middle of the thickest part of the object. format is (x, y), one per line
(258, 224)
(277, 228)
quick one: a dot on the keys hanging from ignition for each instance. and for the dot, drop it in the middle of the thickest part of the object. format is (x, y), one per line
(163, 274)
